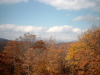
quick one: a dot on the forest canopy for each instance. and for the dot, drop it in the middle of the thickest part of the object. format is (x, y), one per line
(28, 55)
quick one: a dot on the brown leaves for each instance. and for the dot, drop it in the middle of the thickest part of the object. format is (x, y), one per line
(29, 56)
(39, 44)
(85, 53)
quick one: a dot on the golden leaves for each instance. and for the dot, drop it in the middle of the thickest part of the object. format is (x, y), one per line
(85, 52)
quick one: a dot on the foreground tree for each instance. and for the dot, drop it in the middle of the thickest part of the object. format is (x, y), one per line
(12, 57)
(84, 56)
(9, 56)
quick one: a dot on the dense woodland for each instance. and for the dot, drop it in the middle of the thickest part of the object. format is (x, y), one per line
(28, 55)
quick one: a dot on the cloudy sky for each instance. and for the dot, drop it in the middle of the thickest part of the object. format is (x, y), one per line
(61, 19)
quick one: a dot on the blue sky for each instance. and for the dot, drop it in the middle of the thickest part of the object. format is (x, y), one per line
(63, 19)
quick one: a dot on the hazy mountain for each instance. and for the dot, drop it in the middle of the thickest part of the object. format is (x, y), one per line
(3, 40)
(3, 43)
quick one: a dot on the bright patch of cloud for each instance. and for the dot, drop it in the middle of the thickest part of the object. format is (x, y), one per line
(16, 28)
(63, 29)
(88, 18)
(77, 30)
(60, 28)
(12, 1)
(73, 4)
(11, 31)
(66, 32)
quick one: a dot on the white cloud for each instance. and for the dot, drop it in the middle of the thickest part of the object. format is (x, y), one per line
(64, 4)
(65, 32)
(18, 28)
(73, 4)
(77, 30)
(88, 18)
(64, 29)
(60, 28)
(12, 1)
(11, 31)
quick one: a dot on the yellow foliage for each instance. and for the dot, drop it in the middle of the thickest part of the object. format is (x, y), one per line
(84, 51)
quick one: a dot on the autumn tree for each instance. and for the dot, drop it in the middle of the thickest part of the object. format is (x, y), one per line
(13, 54)
(84, 55)
(28, 40)
(9, 56)
(34, 56)
(2, 45)
(46, 58)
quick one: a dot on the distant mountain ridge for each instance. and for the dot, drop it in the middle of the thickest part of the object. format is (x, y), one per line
(3, 43)
(3, 40)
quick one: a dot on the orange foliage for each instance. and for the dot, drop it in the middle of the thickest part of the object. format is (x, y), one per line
(84, 55)
(29, 56)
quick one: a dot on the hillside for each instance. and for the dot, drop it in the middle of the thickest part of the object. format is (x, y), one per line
(3, 40)
(3, 43)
